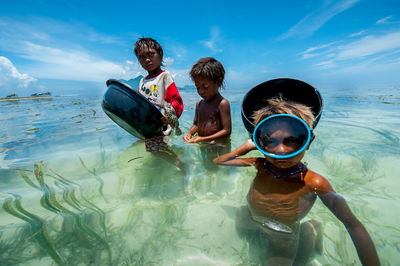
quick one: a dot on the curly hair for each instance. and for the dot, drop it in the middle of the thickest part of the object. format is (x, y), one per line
(208, 68)
(280, 106)
(147, 42)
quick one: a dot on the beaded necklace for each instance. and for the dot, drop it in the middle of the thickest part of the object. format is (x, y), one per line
(291, 172)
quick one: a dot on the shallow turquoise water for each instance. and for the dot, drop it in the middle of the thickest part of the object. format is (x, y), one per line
(103, 200)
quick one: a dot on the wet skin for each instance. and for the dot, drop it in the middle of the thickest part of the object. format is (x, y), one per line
(212, 118)
(289, 199)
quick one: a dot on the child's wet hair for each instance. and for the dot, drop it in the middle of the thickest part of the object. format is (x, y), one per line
(208, 68)
(276, 106)
(147, 42)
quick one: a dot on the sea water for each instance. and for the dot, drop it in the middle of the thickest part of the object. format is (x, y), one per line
(76, 189)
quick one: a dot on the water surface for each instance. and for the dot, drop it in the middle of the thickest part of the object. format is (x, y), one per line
(77, 189)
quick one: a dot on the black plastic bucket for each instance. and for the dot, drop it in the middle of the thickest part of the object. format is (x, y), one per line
(289, 89)
(131, 110)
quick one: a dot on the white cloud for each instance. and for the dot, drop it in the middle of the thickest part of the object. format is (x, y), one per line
(315, 48)
(315, 20)
(58, 50)
(242, 78)
(214, 40)
(12, 81)
(369, 45)
(325, 65)
(384, 20)
(307, 56)
(131, 70)
(370, 71)
(50, 30)
(373, 58)
(379, 52)
(309, 52)
(359, 33)
(168, 61)
(234, 75)
(179, 52)
(57, 63)
(181, 76)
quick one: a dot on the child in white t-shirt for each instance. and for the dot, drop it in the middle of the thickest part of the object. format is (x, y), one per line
(160, 89)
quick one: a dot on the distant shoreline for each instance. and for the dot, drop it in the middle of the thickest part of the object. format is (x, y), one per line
(26, 98)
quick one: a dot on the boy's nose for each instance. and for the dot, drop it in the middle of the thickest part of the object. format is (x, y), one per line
(281, 149)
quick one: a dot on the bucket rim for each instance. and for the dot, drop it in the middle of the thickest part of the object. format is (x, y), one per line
(249, 125)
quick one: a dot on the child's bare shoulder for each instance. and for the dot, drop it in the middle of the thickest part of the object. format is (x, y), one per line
(224, 101)
(198, 103)
(317, 182)
(224, 104)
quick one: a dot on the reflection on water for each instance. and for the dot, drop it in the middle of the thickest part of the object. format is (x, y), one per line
(76, 189)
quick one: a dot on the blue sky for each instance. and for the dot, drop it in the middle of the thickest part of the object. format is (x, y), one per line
(75, 46)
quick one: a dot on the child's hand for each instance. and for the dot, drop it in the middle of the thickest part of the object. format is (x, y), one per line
(195, 139)
(187, 137)
(164, 121)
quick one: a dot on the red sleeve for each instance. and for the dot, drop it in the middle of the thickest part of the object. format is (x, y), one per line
(173, 97)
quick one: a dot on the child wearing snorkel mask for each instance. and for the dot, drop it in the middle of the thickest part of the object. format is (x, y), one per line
(284, 189)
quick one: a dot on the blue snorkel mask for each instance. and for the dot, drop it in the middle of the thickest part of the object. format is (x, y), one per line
(282, 136)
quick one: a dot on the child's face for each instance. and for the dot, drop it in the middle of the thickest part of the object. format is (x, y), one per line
(149, 59)
(281, 141)
(206, 88)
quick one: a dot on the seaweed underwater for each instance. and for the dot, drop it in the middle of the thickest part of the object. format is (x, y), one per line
(93, 172)
(77, 236)
(12, 249)
(341, 248)
(357, 176)
(152, 231)
(38, 226)
(77, 231)
(70, 197)
(352, 176)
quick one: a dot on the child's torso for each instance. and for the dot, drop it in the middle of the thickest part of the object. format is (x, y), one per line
(209, 117)
(278, 199)
(154, 88)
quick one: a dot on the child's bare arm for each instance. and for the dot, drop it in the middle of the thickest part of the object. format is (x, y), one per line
(226, 121)
(361, 239)
(225, 113)
(231, 157)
